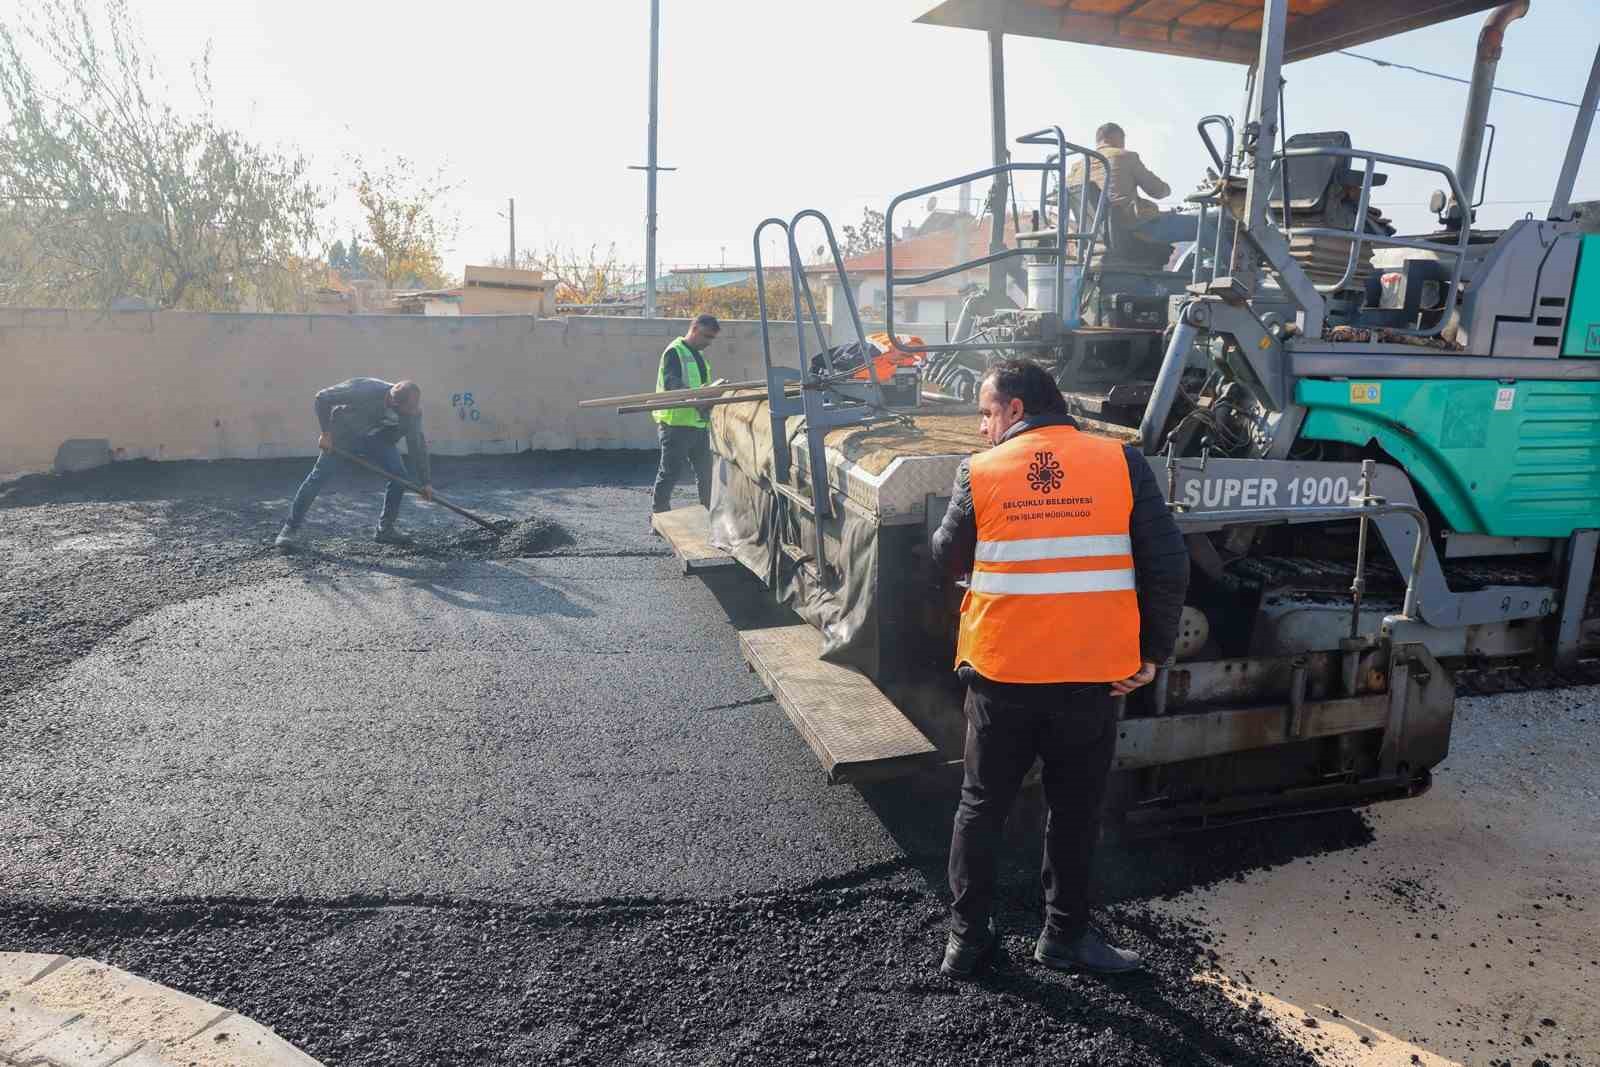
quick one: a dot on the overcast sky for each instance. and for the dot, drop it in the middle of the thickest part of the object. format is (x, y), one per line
(769, 106)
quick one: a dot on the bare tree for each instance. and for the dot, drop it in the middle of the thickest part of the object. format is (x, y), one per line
(587, 276)
(856, 239)
(106, 191)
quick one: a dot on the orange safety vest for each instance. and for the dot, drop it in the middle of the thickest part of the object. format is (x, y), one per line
(1052, 594)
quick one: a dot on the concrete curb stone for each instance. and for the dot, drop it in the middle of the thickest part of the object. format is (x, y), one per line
(61, 1012)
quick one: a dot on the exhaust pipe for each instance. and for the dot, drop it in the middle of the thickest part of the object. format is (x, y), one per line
(1490, 42)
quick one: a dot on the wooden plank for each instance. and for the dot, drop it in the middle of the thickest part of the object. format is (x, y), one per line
(857, 732)
(688, 531)
(715, 389)
(702, 402)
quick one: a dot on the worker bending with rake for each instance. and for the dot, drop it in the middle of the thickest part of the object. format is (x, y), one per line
(365, 418)
(1078, 575)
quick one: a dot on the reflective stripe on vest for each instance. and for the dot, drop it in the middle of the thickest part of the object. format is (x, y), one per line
(1052, 596)
(1053, 582)
(685, 416)
(1055, 548)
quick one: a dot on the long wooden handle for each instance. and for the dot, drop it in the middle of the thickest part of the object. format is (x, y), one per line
(437, 499)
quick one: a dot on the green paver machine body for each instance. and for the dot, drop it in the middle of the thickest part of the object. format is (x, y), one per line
(1325, 387)
(1325, 380)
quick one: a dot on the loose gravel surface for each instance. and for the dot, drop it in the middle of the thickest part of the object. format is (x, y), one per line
(842, 974)
(473, 802)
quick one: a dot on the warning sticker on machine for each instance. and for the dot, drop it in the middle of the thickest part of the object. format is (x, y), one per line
(1505, 398)
(1366, 393)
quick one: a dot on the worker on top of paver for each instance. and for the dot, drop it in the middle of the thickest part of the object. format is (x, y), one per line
(367, 417)
(1140, 228)
(1078, 574)
(684, 433)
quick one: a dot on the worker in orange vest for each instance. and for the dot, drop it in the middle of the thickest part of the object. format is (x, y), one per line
(1078, 576)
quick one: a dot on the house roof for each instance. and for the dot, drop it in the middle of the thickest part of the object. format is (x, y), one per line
(1226, 30)
(929, 251)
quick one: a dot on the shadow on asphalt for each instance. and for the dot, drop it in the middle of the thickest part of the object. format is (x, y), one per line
(918, 810)
(743, 599)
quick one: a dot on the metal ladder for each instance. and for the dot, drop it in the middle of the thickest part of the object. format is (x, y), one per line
(826, 397)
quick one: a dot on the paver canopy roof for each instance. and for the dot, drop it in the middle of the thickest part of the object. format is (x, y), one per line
(1227, 30)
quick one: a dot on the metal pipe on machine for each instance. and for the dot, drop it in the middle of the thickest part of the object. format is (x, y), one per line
(1561, 203)
(1002, 155)
(1491, 40)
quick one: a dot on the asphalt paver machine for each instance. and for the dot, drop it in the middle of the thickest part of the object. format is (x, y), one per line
(1382, 448)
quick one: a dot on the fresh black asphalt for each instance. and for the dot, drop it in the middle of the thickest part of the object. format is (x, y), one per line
(426, 806)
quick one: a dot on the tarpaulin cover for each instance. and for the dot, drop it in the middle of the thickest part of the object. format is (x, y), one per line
(858, 602)
(751, 521)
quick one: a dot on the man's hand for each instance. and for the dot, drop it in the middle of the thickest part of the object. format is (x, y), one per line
(1146, 675)
(325, 441)
(427, 494)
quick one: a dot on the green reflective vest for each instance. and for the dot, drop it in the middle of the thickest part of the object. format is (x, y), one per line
(691, 380)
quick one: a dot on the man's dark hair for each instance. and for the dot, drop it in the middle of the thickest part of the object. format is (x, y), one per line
(1108, 133)
(708, 322)
(1027, 381)
(408, 396)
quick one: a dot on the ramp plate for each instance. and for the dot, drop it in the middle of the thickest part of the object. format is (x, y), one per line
(688, 531)
(857, 733)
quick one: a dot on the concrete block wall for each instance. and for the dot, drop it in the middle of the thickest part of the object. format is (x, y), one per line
(185, 385)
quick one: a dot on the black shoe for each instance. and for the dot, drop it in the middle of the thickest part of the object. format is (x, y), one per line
(388, 535)
(1088, 953)
(964, 959)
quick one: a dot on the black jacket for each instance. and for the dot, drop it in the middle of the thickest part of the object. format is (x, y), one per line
(1160, 559)
(359, 408)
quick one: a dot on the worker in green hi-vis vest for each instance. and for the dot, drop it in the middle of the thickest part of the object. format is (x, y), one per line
(684, 432)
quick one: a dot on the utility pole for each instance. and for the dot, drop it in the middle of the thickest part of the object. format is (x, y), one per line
(650, 178)
(651, 167)
(512, 207)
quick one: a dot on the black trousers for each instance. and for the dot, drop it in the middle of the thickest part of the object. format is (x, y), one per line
(680, 445)
(1072, 728)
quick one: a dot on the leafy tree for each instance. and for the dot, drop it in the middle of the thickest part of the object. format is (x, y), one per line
(407, 220)
(107, 191)
(336, 255)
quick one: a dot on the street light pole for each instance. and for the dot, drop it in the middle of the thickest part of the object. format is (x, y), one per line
(512, 207)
